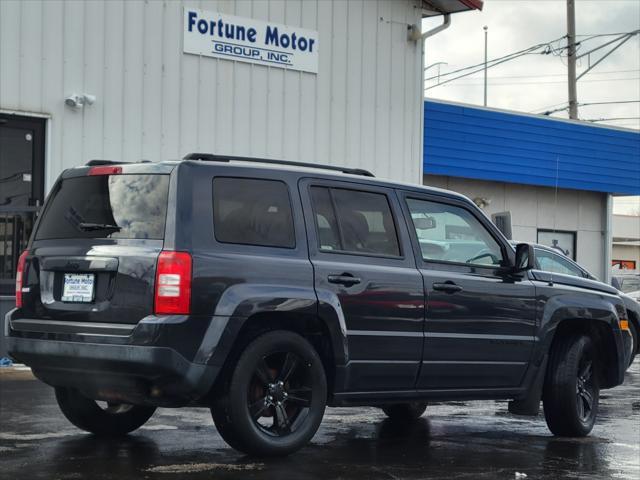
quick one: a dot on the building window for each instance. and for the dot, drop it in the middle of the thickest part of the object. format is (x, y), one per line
(562, 241)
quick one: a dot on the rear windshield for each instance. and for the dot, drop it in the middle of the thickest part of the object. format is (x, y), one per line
(107, 206)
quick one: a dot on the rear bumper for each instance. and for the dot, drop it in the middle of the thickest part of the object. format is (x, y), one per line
(139, 368)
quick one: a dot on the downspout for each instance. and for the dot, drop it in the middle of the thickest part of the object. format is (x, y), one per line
(416, 35)
(608, 239)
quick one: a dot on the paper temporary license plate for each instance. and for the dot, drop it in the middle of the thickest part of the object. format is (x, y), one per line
(78, 287)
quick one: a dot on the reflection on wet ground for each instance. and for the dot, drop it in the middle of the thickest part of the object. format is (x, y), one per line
(454, 440)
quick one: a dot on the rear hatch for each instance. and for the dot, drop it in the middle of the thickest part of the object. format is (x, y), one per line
(94, 251)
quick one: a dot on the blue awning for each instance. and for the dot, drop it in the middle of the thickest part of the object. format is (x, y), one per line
(489, 144)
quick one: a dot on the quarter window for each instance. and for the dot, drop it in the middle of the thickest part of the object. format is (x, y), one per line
(447, 233)
(361, 222)
(252, 212)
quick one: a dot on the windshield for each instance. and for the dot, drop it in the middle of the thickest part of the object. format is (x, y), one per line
(107, 206)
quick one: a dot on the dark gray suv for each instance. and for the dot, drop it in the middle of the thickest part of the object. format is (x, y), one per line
(267, 292)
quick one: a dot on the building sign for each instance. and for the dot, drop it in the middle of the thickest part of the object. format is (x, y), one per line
(219, 35)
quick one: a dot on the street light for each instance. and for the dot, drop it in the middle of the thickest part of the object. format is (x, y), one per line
(486, 34)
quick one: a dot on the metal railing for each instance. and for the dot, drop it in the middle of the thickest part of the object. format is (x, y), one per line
(16, 224)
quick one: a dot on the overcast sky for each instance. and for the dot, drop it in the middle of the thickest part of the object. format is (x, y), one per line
(535, 83)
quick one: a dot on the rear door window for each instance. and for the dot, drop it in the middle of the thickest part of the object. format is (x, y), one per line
(252, 212)
(107, 206)
(361, 222)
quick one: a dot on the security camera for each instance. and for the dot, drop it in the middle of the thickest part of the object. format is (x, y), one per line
(74, 101)
(79, 101)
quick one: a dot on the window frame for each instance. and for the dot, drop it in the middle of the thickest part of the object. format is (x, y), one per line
(291, 210)
(395, 210)
(507, 253)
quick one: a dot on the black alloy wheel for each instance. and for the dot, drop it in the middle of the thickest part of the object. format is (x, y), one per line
(585, 389)
(276, 396)
(101, 418)
(279, 396)
(571, 391)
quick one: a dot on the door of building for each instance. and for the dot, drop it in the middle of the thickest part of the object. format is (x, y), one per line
(21, 188)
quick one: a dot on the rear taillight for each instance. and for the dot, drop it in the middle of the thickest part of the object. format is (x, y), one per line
(173, 284)
(20, 277)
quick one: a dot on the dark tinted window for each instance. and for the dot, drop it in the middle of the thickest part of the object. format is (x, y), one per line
(107, 206)
(326, 223)
(363, 222)
(252, 212)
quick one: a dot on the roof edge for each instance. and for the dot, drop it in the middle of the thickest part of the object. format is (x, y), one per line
(533, 115)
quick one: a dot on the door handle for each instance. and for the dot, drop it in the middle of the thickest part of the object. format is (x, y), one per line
(345, 279)
(447, 286)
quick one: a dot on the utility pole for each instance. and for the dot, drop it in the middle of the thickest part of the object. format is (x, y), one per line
(486, 28)
(571, 48)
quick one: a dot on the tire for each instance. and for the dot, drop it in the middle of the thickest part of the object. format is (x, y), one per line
(634, 345)
(220, 415)
(571, 391)
(88, 415)
(405, 412)
(276, 396)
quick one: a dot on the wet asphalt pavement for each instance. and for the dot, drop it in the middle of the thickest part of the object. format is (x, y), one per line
(454, 441)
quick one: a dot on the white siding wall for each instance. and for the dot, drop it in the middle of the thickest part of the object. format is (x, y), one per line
(362, 109)
(537, 207)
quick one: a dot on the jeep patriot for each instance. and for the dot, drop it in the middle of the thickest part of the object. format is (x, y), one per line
(268, 290)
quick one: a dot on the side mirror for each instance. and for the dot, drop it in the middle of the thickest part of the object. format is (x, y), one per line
(615, 283)
(525, 257)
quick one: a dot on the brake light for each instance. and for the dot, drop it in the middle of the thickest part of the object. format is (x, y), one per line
(173, 284)
(105, 170)
(20, 277)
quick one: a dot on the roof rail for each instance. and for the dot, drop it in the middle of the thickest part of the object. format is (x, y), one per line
(210, 157)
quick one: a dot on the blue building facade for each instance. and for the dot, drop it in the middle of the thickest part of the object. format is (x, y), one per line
(486, 144)
(552, 180)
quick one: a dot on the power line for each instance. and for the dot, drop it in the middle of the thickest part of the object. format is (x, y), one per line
(612, 119)
(560, 74)
(537, 83)
(548, 49)
(609, 103)
(564, 105)
(548, 106)
(498, 59)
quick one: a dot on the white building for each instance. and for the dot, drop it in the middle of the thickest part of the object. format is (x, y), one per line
(354, 99)
(325, 81)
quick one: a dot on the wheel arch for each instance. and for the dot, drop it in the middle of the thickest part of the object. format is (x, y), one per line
(320, 325)
(603, 337)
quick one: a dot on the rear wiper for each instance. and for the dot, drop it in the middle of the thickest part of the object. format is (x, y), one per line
(88, 227)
